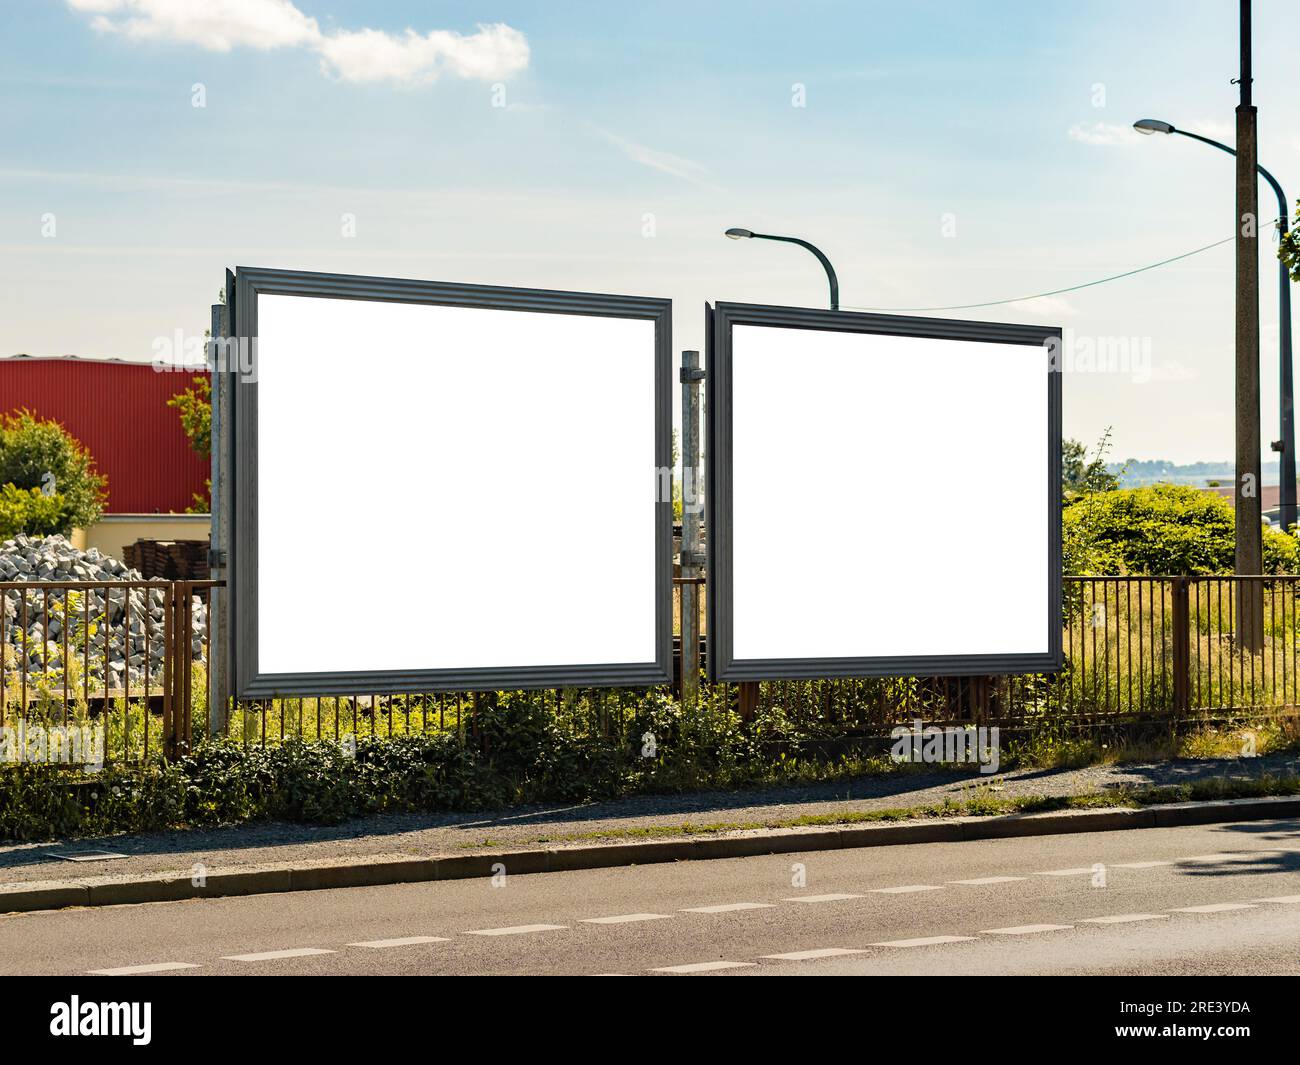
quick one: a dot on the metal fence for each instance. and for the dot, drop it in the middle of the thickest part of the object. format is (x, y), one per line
(99, 671)
(120, 668)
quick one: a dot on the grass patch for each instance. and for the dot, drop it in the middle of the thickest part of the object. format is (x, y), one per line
(1060, 747)
(1217, 788)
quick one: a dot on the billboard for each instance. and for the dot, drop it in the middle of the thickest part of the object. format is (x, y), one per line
(883, 495)
(447, 487)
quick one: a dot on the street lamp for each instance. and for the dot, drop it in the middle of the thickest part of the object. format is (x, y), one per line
(745, 234)
(1285, 446)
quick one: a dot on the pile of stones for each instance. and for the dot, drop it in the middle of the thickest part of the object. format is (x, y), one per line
(125, 634)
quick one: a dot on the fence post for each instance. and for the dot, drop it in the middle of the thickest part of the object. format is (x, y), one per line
(185, 724)
(169, 672)
(748, 699)
(692, 507)
(218, 651)
(1182, 623)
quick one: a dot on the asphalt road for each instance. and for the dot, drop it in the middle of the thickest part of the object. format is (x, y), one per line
(1215, 899)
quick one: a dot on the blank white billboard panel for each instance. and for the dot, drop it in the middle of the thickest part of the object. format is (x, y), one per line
(882, 502)
(452, 489)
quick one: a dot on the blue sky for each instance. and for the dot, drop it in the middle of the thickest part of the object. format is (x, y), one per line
(948, 153)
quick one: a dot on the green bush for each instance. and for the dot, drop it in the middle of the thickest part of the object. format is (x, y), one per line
(40, 454)
(29, 510)
(1161, 529)
(523, 751)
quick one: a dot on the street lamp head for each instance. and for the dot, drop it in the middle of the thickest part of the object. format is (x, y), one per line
(739, 234)
(1152, 125)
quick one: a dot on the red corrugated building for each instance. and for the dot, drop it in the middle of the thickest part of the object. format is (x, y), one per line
(119, 411)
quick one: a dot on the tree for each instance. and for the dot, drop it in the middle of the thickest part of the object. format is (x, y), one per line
(1081, 475)
(195, 407)
(38, 454)
(1289, 247)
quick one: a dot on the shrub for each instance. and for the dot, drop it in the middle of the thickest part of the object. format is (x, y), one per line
(1162, 529)
(40, 454)
(29, 510)
(520, 750)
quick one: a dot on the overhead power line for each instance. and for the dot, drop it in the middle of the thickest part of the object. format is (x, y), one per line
(1053, 292)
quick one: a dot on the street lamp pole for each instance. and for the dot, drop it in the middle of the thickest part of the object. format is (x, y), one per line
(1286, 446)
(745, 234)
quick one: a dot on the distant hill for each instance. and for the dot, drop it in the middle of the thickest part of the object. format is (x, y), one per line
(1134, 473)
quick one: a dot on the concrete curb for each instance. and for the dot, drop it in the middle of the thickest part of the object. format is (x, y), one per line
(396, 869)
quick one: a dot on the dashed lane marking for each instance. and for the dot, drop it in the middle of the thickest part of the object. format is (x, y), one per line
(925, 941)
(1081, 871)
(1281, 898)
(1218, 907)
(134, 970)
(1139, 865)
(810, 955)
(906, 889)
(405, 941)
(1124, 918)
(980, 881)
(705, 967)
(628, 918)
(821, 898)
(1025, 929)
(729, 907)
(275, 955)
(518, 930)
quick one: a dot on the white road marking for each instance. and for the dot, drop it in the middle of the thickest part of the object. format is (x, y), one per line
(1281, 898)
(809, 955)
(1081, 871)
(705, 967)
(405, 941)
(981, 880)
(518, 930)
(1124, 918)
(132, 970)
(906, 889)
(730, 906)
(1025, 929)
(1225, 856)
(1139, 865)
(274, 955)
(925, 941)
(1218, 907)
(628, 918)
(821, 898)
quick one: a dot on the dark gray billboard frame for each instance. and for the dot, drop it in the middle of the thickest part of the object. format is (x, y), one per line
(723, 665)
(250, 282)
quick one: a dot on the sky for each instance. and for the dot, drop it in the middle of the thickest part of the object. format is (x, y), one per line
(941, 153)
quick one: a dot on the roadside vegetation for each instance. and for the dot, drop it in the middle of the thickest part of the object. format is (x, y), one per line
(329, 759)
(518, 750)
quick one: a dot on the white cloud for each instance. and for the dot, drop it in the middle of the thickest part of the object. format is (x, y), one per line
(1102, 134)
(1214, 128)
(217, 25)
(371, 55)
(365, 55)
(664, 162)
